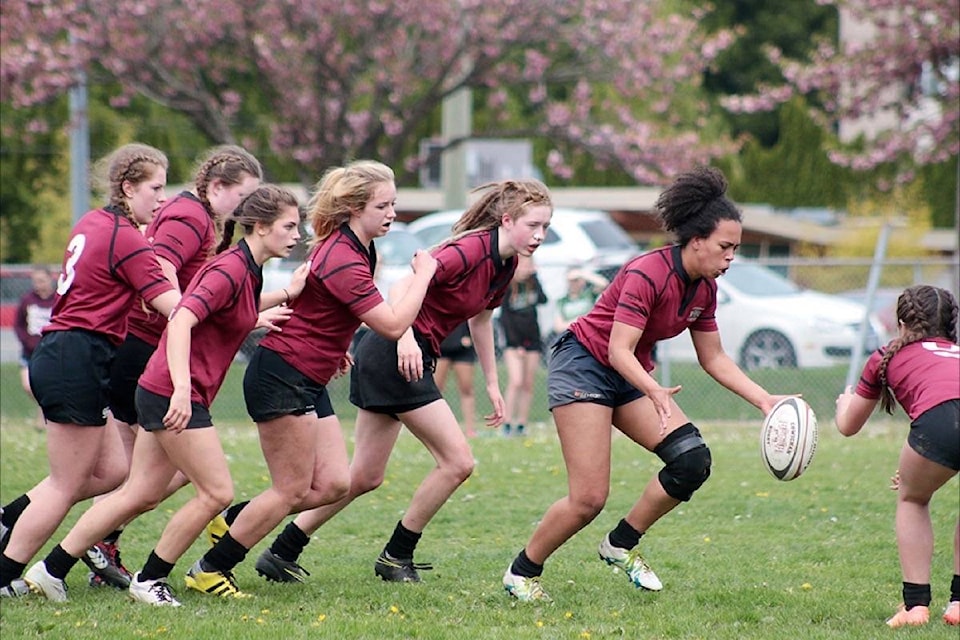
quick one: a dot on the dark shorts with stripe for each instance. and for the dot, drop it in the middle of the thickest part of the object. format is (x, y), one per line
(131, 360)
(70, 376)
(935, 434)
(151, 408)
(574, 375)
(273, 389)
(377, 386)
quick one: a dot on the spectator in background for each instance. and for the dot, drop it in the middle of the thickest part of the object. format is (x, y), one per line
(457, 352)
(521, 331)
(32, 315)
(583, 289)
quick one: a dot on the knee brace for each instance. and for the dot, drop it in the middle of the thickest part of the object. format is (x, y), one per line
(687, 462)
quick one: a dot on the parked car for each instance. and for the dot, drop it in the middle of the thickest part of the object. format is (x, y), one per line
(767, 321)
(576, 238)
(884, 305)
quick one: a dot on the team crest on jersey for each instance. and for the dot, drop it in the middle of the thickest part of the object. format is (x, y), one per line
(694, 314)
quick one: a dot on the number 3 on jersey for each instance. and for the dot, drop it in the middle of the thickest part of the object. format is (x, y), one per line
(75, 249)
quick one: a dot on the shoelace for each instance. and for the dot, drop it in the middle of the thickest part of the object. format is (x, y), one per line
(161, 591)
(296, 567)
(635, 562)
(534, 588)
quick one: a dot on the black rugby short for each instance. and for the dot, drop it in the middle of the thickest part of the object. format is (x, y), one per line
(935, 434)
(272, 389)
(131, 360)
(151, 408)
(377, 386)
(70, 376)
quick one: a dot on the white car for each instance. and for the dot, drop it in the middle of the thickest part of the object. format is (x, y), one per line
(767, 321)
(578, 238)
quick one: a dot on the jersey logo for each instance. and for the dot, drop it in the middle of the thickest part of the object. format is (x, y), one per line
(953, 351)
(694, 314)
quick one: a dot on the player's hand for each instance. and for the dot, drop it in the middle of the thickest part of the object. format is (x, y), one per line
(766, 406)
(298, 280)
(895, 481)
(496, 417)
(423, 262)
(270, 319)
(179, 412)
(662, 398)
(346, 363)
(843, 401)
(409, 358)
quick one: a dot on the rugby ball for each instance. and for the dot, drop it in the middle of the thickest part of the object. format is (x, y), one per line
(788, 439)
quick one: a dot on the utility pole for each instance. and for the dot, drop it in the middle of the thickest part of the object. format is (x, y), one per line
(79, 148)
(457, 117)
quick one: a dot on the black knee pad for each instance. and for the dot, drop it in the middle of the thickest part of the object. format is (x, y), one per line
(687, 459)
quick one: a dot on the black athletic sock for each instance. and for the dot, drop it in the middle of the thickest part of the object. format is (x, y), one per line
(915, 595)
(955, 588)
(624, 536)
(233, 511)
(12, 511)
(10, 570)
(290, 543)
(155, 568)
(224, 555)
(113, 536)
(59, 562)
(402, 543)
(524, 566)
(519, 429)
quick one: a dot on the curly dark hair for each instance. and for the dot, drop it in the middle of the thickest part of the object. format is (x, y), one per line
(695, 203)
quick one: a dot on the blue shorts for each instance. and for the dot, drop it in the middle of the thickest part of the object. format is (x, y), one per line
(151, 408)
(273, 389)
(574, 375)
(935, 434)
(70, 376)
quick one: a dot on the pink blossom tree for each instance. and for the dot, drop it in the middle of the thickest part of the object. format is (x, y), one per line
(891, 83)
(333, 80)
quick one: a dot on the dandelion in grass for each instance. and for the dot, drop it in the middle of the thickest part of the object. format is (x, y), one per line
(568, 615)
(539, 624)
(394, 609)
(585, 635)
(321, 617)
(260, 620)
(706, 539)
(806, 586)
(762, 494)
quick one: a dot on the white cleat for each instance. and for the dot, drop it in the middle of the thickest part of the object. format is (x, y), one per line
(631, 563)
(42, 583)
(156, 592)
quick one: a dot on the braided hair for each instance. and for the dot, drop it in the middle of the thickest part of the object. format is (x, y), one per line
(924, 311)
(133, 163)
(230, 165)
(507, 197)
(263, 205)
(342, 191)
(694, 204)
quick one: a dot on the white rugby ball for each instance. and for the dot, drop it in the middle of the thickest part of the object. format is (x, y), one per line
(788, 439)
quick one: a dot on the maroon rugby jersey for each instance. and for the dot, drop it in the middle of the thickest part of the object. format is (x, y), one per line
(340, 287)
(107, 265)
(921, 375)
(182, 233)
(225, 297)
(470, 277)
(651, 292)
(33, 314)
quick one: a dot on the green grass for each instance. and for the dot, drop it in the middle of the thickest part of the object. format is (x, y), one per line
(749, 557)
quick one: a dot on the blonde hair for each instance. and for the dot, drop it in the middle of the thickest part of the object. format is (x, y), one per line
(341, 191)
(507, 197)
(134, 163)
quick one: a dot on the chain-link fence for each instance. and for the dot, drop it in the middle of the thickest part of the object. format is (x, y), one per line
(796, 340)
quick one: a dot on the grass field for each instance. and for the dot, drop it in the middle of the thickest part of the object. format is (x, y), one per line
(749, 557)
